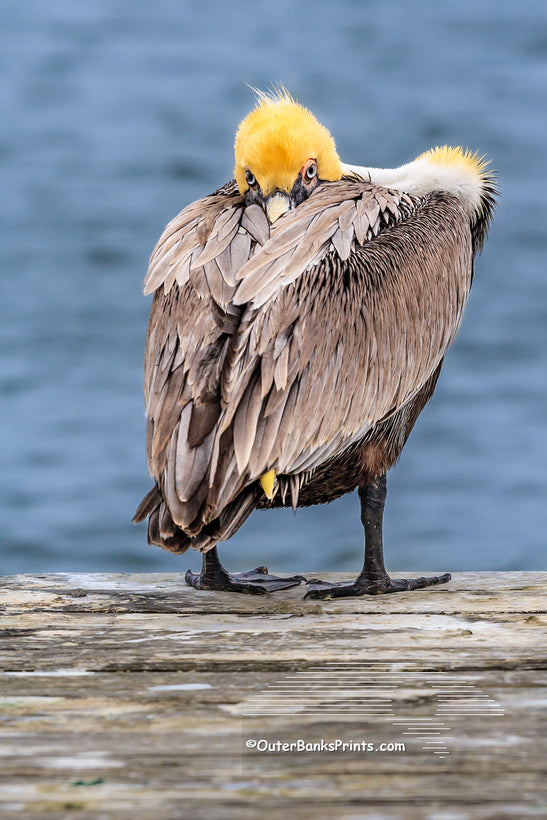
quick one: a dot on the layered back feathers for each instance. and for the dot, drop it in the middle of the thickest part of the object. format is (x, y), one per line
(244, 357)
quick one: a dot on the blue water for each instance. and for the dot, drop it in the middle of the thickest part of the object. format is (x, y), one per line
(117, 114)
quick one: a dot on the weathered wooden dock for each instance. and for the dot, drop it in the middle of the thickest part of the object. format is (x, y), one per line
(136, 696)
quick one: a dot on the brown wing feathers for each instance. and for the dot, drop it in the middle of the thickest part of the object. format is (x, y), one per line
(193, 272)
(277, 352)
(334, 218)
(345, 344)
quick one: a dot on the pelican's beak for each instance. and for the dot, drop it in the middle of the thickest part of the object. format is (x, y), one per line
(276, 205)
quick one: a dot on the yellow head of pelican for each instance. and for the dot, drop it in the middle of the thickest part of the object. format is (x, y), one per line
(282, 153)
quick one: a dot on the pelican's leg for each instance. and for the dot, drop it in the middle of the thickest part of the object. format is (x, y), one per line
(373, 579)
(256, 582)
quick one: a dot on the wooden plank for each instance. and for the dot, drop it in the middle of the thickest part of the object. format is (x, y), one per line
(134, 695)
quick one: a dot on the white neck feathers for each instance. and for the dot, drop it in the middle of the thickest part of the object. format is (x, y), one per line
(459, 172)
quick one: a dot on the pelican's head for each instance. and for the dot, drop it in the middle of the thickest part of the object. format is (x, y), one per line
(282, 153)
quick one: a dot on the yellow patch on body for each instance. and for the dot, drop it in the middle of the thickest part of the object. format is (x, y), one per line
(267, 481)
(276, 139)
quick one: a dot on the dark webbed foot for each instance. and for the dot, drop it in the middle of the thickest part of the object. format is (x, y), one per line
(256, 582)
(366, 585)
(373, 579)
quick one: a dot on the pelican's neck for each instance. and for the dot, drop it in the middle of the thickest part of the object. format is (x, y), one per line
(458, 172)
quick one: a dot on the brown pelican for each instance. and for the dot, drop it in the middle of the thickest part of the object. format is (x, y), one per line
(300, 318)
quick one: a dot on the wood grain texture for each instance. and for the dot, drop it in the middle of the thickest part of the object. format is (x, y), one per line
(131, 696)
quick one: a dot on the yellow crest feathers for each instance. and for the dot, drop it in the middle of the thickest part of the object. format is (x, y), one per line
(466, 159)
(277, 138)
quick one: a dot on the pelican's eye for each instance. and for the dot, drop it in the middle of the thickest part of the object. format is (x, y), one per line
(311, 171)
(250, 178)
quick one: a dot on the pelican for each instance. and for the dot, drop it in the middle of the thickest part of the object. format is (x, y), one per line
(299, 321)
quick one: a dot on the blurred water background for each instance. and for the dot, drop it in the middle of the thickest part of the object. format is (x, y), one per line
(115, 115)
